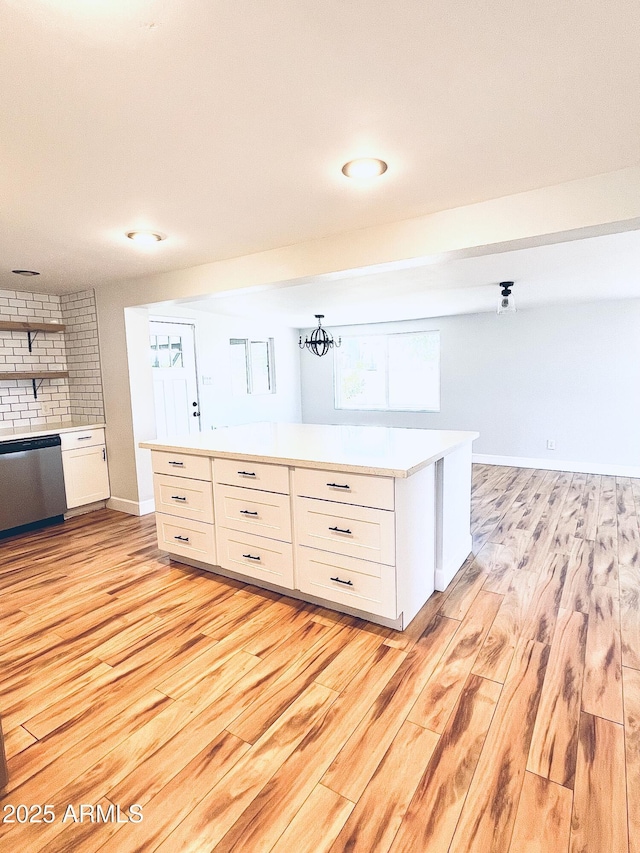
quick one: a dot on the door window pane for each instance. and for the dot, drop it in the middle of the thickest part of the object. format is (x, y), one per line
(175, 345)
(166, 351)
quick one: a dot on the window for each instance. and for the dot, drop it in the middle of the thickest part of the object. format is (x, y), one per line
(166, 351)
(252, 366)
(389, 372)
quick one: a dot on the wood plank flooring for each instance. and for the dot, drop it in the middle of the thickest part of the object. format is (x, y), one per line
(506, 719)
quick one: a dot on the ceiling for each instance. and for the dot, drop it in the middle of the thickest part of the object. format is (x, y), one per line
(224, 123)
(604, 267)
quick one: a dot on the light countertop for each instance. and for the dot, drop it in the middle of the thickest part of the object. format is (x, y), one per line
(384, 451)
(16, 433)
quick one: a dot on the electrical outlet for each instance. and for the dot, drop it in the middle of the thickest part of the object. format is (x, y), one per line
(47, 409)
(551, 444)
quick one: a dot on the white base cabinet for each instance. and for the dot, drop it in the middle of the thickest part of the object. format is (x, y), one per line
(84, 463)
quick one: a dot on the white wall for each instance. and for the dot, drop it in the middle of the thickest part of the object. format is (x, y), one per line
(569, 373)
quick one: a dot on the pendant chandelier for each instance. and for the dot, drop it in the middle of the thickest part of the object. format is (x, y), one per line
(320, 341)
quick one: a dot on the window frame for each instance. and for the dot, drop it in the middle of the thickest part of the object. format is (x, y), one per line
(248, 360)
(339, 404)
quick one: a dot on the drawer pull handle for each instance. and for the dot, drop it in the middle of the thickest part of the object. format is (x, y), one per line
(250, 557)
(340, 530)
(339, 580)
(179, 464)
(84, 438)
(247, 473)
(177, 498)
(247, 512)
(337, 486)
(182, 538)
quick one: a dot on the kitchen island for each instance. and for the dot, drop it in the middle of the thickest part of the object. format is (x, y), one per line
(365, 520)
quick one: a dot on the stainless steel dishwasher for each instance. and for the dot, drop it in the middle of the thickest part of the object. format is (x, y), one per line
(31, 483)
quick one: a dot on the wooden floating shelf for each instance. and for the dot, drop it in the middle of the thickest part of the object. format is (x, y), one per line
(32, 329)
(31, 374)
(14, 326)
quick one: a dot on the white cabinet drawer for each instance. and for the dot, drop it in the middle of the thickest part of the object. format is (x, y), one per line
(188, 538)
(181, 464)
(262, 513)
(356, 583)
(81, 438)
(256, 557)
(368, 534)
(360, 489)
(252, 475)
(183, 497)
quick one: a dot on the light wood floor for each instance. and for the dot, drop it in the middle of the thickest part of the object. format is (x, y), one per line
(506, 718)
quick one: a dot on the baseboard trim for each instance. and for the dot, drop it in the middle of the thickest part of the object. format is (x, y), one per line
(131, 507)
(559, 465)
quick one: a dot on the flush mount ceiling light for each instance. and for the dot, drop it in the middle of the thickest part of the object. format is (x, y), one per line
(25, 272)
(364, 168)
(320, 341)
(146, 237)
(506, 304)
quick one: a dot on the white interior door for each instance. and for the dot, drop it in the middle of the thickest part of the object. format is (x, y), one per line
(175, 382)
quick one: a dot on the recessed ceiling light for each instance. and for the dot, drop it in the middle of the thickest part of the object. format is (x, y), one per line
(146, 237)
(25, 272)
(365, 167)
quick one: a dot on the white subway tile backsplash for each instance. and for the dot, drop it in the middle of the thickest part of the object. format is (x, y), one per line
(76, 350)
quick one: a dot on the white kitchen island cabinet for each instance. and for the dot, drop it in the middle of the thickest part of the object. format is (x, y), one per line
(365, 520)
